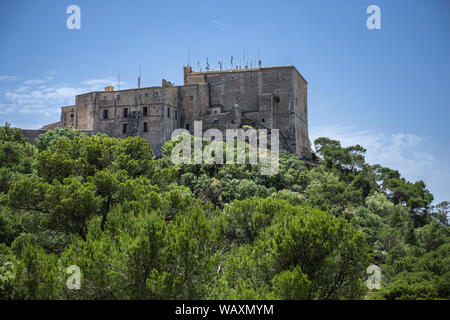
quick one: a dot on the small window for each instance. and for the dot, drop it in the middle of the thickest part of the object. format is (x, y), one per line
(263, 120)
(124, 128)
(187, 126)
(105, 114)
(145, 126)
(168, 112)
(216, 121)
(118, 97)
(176, 114)
(191, 98)
(146, 94)
(125, 112)
(71, 115)
(276, 99)
(144, 111)
(181, 98)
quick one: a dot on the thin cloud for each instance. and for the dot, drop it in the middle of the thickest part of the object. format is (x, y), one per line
(399, 151)
(7, 78)
(34, 81)
(100, 84)
(44, 96)
(97, 82)
(221, 24)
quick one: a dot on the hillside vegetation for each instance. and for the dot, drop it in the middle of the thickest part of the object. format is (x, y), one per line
(143, 228)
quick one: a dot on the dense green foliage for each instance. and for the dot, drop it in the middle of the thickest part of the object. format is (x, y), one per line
(141, 227)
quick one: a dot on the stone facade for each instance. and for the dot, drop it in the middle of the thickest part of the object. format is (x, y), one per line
(268, 98)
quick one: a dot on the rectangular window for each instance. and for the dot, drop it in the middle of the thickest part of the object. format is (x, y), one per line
(216, 121)
(118, 97)
(176, 114)
(124, 128)
(145, 126)
(144, 111)
(125, 112)
(168, 112)
(187, 126)
(105, 114)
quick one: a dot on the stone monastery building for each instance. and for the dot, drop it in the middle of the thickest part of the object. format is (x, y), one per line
(265, 97)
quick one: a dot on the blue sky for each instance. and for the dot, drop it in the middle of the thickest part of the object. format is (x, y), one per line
(388, 89)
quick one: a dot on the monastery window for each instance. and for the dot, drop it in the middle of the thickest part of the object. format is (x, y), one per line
(125, 112)
(145, 126)
(144, 111)
(124, 128)
(263, 120)
(187, 126)
(71, 115)
(216, 121)
(118, 97)
(168, 112)
(176, 114)
(146, 94)
(276, 99)
(105, 114)
(181, 98)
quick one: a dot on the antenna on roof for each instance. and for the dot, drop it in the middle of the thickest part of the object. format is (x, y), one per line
(207, 65)
(118, 81)
(259, 59)
(139, 78)
(189, 56)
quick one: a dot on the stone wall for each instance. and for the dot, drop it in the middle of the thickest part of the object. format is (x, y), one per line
(271, 98)
(31, 135)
